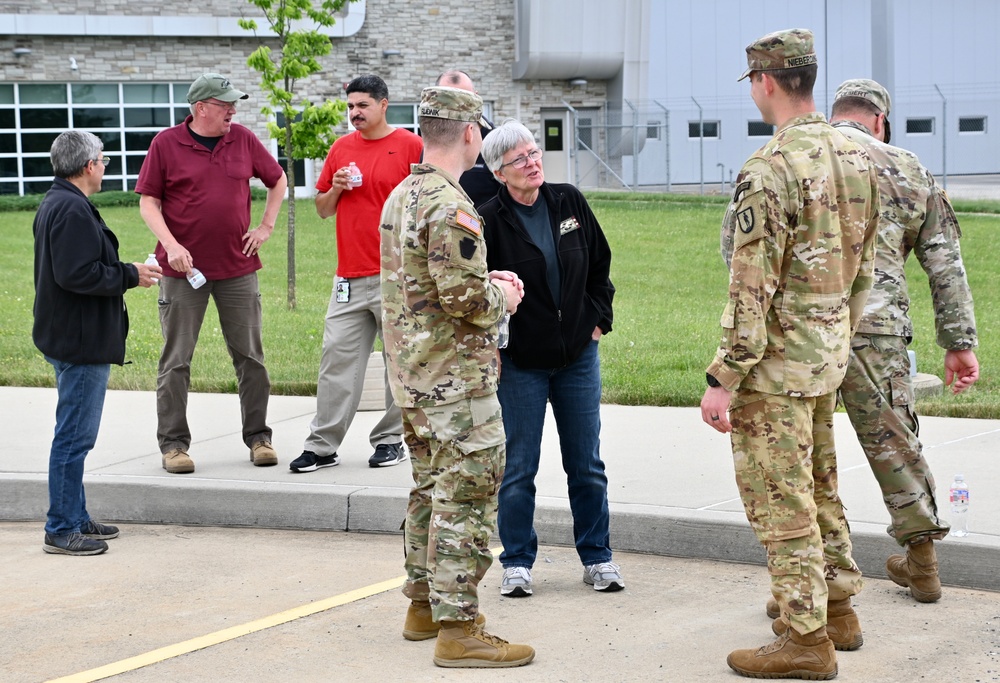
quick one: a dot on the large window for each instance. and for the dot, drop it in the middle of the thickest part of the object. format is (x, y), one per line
(707, 129)
(125, 116)
(759, 129)
(920, 126)
(972, 124)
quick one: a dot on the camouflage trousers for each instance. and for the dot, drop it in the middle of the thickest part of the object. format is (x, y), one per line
(786, 471)
(878, 395)
(457, 455)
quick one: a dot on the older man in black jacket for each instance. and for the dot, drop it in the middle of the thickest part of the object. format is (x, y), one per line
(80, 327)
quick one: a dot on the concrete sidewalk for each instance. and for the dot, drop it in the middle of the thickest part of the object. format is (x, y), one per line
(672, 490)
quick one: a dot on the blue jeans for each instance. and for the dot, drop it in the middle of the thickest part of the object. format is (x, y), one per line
(575, 394)
(78, 417)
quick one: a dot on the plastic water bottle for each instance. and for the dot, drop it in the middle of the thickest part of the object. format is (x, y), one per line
(913, 362)
(959, 497)
(503, 331)
(195, 278)
(354, 175)
(151, 261)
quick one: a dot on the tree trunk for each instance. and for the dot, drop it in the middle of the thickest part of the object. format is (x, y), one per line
(290, 155)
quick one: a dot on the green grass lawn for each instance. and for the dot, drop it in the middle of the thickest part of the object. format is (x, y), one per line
(670, 279)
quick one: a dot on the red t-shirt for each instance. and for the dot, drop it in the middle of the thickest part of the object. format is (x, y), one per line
(384, 163)
(205, 195)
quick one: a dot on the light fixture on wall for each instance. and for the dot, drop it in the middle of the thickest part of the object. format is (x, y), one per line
(578, 82)
(386, 54)
(73, 66)
(21, 51)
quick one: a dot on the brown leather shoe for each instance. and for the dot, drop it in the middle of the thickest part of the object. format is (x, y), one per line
(262, 454)
(463, 644)
(810, 657)
(420, 625)
(177, 461)
(842, 625)
(918, 571)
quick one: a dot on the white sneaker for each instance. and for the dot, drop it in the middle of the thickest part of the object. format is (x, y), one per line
(606, 576)
(516, 582)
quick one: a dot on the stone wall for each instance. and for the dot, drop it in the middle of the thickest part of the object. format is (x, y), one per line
(430, 37)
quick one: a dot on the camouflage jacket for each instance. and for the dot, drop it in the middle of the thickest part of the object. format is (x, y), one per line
(439, 310)
(917, 217)
(802, 227)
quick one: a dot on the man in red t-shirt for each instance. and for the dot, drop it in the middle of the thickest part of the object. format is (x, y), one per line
(383, 155)
(195, 187)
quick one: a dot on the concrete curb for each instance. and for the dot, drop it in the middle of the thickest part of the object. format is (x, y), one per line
(658, 530)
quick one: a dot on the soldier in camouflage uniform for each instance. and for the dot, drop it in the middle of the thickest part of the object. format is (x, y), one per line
(440, 310)
(877, 390)
(803, 222)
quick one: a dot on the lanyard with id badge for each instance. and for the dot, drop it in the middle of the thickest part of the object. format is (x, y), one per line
(343, 291)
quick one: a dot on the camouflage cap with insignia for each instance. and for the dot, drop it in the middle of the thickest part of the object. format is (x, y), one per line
(866, 89)
(788, 49)
(441, 102)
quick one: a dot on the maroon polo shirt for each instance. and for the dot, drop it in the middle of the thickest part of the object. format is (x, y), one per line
(205, 195)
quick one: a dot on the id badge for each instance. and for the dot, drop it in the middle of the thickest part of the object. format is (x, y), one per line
(343, 291)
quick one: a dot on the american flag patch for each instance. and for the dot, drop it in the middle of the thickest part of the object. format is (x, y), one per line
(468, 222)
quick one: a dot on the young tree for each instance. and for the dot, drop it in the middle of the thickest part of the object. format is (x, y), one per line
(307, 132)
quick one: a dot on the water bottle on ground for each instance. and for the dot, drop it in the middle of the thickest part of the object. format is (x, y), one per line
(195, 278)
(354, 175)
(151, 261)
(959, 496)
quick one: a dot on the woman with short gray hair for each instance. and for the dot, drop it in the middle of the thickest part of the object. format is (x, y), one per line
(548, 235)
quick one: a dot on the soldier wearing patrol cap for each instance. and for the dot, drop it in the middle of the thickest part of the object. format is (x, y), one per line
(440, 311)
(799, 235)
(877, 391)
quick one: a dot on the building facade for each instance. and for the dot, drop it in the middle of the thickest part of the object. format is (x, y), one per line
(621, 93)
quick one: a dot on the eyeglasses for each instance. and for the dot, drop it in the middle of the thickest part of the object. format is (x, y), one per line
(522, 161)
(105, 161)
(229, 106)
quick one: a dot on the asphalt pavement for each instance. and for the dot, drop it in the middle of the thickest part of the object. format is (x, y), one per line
(232, 548)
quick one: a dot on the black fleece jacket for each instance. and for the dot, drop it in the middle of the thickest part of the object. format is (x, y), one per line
(545, 333)
(80, 314)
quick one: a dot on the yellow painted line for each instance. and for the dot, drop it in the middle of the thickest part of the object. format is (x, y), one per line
(200, 643)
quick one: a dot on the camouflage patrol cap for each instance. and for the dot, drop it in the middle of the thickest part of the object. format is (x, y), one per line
(866, 89)
(788, 49)
(441, 102)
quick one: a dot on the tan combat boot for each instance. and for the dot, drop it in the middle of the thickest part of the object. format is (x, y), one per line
(177, 461)
(810, 657)
(842, 625)
(772, 608)
(420, 625)
(463, 644)
(262, 454)
(917, 570)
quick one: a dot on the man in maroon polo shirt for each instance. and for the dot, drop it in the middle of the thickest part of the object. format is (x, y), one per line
(195, 187)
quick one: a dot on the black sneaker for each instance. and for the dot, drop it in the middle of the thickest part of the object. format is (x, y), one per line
(98, 531)
(309, 461)
(387, 455)
(73, 544)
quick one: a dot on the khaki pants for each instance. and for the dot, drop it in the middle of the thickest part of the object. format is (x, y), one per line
(182, 311)
(348, 340)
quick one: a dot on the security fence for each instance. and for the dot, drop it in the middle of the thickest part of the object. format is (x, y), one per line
(700, 144)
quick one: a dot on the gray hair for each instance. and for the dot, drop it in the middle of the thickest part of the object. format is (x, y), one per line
(501, 140)
(72, 150)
